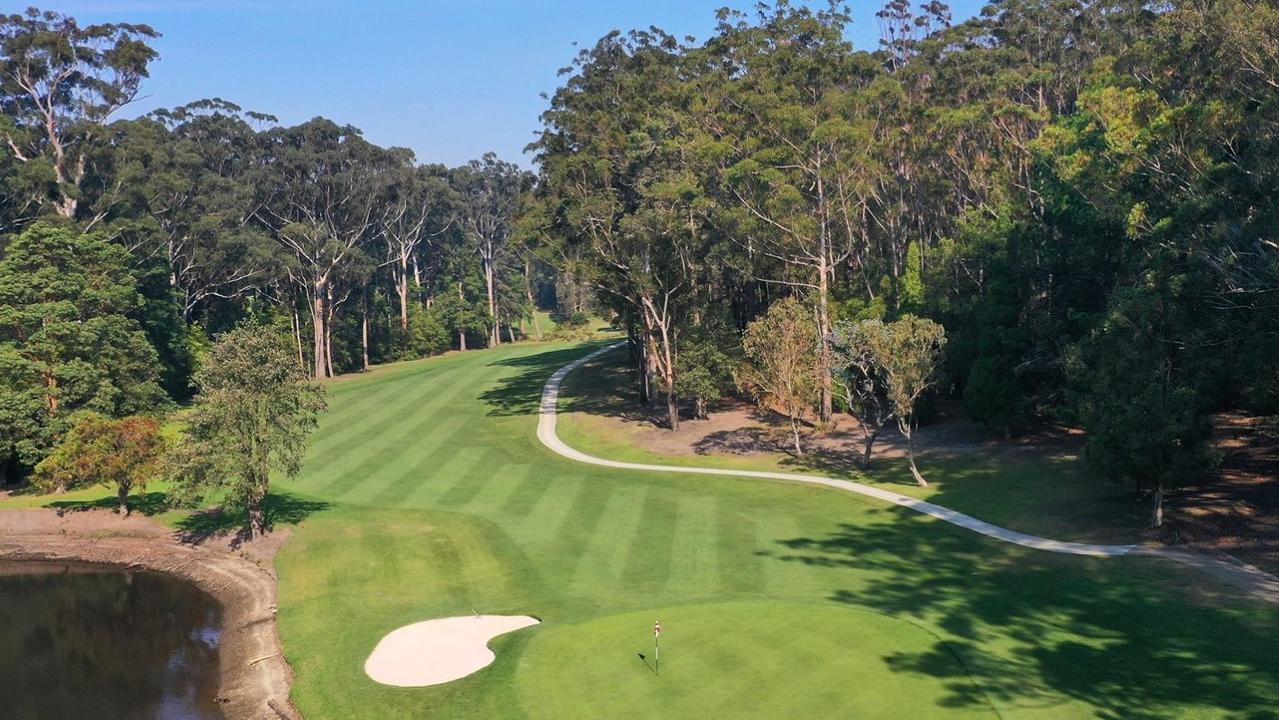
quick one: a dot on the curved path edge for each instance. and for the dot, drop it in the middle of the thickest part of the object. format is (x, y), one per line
(255, 678)
(1246, 577)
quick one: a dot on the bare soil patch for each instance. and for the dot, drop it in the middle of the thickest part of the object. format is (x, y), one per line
(255, 678)
(739, 428)
(1235, 509)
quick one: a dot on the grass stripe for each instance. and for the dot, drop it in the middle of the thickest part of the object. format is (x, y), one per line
(740, 567)
(694, 548)
(648, 555)
(602, 561)
(437, 482)
(414, 465)
(369, 431)
(506, 482)
(472, 484)
(526, 496)
(769, 531)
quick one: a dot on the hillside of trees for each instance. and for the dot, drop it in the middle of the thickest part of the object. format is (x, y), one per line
(1081, 194)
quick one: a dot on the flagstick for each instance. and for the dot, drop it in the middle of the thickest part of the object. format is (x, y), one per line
(657, 651)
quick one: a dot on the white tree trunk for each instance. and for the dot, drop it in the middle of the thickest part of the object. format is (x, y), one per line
(317, 328)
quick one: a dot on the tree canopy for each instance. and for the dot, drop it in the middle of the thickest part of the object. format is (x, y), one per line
(1082, 195)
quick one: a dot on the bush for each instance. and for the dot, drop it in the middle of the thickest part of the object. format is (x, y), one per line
(122, 453)
(427, 334)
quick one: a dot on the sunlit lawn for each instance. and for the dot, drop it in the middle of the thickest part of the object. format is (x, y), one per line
(426, 494)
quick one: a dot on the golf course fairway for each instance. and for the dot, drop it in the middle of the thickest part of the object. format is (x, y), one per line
(427, 495)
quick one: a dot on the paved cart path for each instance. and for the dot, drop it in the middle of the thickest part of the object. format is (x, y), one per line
(1221, 566)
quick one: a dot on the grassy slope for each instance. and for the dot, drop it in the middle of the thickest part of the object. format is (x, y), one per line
(777, 600)
(1051, 496)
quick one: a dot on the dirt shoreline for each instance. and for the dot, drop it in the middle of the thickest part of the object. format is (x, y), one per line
(255, 678)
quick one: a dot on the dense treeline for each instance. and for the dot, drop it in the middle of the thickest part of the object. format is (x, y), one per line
(127, 245)
(1069, 206)
(1081, 193)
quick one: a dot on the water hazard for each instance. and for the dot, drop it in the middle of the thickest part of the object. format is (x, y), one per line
(82, 641)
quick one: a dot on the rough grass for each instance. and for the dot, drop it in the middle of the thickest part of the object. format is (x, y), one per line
(777, 600)
(1049, 494)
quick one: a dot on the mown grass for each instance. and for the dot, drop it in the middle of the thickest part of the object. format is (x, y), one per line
(1050, 493)
(777, 600)
(426, 494)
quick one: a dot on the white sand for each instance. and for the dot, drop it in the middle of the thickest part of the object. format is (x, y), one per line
(439, 651)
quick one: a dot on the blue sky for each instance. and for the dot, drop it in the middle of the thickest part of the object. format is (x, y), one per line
(450, 79)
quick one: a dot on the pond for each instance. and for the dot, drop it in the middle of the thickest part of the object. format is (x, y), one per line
(84, 641)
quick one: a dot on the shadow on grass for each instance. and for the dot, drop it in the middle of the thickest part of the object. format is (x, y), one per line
(521, 393)
(1047, 493)
(1129, 637)
(147, 503)
(278, 509)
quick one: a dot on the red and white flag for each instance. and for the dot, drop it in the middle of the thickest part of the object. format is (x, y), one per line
(657, 629)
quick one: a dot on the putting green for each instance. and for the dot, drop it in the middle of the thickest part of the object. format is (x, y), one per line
(426, 494)
(765, 660)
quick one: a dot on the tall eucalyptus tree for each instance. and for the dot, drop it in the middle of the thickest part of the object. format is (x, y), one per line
(488, 193)
(321, 186)
(59, 83)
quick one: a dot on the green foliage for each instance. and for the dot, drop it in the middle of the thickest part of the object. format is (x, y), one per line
(122, 453)
(70, 339)
(911, 295)
(427, 334)
(577, 326)
(993, 394)
(707, 358)
(254, 415)
(859, 379)
(907, 352)
(59, 83)
(781, 372)
(465, 316)
(1142, 398)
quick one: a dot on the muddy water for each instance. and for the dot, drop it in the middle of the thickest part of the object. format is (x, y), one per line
(80, 641)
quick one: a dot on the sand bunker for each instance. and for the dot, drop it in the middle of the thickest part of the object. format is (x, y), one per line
(439, 651)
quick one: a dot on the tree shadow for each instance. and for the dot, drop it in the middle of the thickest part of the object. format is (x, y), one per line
(607, 388)
(521, 393)
(839, 463)
(1136, 639)
(147, 503)
(277, 509)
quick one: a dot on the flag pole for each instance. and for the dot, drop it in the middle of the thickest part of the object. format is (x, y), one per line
(657, 652)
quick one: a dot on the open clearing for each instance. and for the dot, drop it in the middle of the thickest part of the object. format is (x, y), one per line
(443, 501)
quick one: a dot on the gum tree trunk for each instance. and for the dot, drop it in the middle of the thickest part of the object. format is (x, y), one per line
(317, 327)
(364, 339)
(402, 289)
(1158, 519)
(870, 443)
(528, 292)
(910, 453)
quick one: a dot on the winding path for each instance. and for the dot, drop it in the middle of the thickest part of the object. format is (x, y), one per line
(1219, 565)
